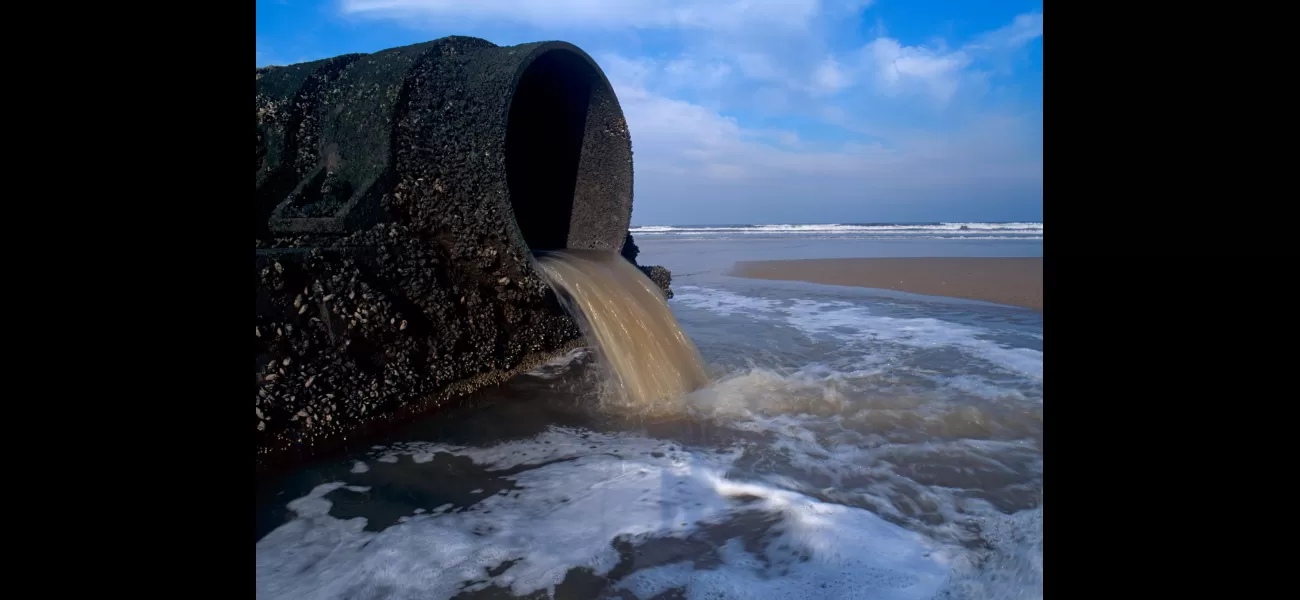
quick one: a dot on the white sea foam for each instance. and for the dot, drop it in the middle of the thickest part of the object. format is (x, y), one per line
(1012, 568)
(724, 302)
(924, 459)
(855, 324)
(566, 515)
(878, 489)
(822, 551)
(975, 385)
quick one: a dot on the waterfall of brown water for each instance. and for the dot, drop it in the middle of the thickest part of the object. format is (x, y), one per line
(626, 319)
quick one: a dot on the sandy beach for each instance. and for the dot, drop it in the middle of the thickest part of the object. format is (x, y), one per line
(1014, 281)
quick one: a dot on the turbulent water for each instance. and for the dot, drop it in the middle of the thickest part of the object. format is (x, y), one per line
(848, 444)
(626, 320)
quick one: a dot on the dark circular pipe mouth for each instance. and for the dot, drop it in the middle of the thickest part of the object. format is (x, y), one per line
(546, 128)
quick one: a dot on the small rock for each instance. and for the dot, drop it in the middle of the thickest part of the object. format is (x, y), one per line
(309, 381)
(259, 412)
(261, 425)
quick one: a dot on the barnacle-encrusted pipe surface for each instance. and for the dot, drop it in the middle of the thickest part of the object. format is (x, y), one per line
(400, 195)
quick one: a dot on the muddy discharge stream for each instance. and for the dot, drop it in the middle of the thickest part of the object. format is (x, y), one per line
(624, 316)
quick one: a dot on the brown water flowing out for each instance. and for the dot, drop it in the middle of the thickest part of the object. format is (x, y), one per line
(626, 319)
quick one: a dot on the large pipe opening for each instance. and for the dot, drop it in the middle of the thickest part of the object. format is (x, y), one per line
(544, 136)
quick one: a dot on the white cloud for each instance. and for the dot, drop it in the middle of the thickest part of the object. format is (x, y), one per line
(1024, 29)
(937, 71)
(779, 44)
(829, 77)
(771, 56)
(686, 139)
(684, 72)
(700, 157)
(759, 66)
(789, 72)
(898, 68)
(691, 72)
(726, 15)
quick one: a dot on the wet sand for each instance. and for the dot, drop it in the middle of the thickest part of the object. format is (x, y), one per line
(1014, 281)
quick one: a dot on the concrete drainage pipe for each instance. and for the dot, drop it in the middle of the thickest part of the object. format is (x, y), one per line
(400, 195)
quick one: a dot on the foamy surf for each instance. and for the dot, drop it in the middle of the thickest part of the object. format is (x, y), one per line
(815, 493)
(586, 501)
(871, 337)
(845, 448)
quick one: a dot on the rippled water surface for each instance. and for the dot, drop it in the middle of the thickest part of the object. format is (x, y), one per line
(852, 444)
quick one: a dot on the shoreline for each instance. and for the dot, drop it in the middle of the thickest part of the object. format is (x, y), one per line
(1014, 281)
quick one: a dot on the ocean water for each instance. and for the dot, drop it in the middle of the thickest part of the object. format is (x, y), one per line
(852, 444)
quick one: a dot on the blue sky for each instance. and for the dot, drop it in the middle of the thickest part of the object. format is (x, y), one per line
(768, 111)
